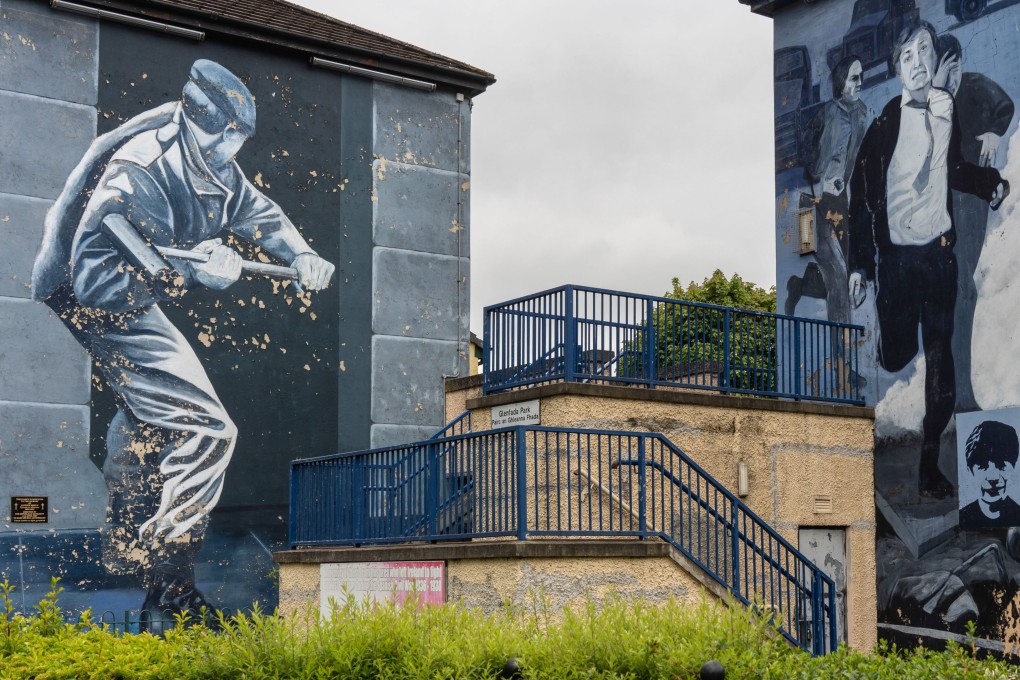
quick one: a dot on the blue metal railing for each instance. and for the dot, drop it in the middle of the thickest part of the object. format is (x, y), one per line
(540, 481)
(580, 334)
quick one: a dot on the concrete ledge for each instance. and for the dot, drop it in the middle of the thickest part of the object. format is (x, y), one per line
(477, 550)
(665, 395)
(467, 382)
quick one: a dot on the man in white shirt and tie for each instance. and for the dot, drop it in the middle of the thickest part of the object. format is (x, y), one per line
(902, 232)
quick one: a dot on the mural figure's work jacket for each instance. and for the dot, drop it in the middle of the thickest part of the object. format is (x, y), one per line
(159, 181)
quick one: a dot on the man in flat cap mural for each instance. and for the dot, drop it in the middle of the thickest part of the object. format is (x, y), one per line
(165, 178)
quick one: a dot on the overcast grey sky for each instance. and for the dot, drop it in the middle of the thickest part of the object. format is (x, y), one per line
(623, 144)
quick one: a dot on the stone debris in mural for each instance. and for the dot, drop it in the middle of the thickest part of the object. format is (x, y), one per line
(164, 179)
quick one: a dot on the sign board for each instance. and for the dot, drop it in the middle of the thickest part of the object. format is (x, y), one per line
(381, 582)
(521, 413)
(30, 509)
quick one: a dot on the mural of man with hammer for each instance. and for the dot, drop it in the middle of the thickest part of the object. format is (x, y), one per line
(136, 225)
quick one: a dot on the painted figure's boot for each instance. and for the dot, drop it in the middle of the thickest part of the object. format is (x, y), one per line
(175, 595)
(931, 483)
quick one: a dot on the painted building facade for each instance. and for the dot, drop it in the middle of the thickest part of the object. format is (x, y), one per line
(895, 150)
(150, 401)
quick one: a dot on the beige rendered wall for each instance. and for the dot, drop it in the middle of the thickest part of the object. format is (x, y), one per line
(809, 465)
(490, 584)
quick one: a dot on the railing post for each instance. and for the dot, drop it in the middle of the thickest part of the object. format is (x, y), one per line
(642, 475)
(569, 336)
(735, 547)
(817, 633)
(725, 377)
(432, 492)
(796, 360)
(522, 484)
(833, 619)
(486, 361)
(651, 369)
(293, 519)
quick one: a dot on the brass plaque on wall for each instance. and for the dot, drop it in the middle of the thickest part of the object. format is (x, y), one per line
(30, 509)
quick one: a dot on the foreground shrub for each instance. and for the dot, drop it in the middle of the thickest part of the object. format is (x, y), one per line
(618, 639)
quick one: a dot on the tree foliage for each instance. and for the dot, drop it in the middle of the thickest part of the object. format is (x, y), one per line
(696, 344)
(732, 292)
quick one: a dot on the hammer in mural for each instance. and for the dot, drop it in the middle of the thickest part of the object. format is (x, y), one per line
(163, 182)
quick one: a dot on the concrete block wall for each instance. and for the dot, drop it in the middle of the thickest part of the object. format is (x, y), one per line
(420, 188)
(48, 94)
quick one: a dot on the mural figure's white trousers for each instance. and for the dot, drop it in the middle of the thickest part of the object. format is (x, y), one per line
(169, 445)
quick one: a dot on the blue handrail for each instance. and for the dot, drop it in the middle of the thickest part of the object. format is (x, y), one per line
(524, 482)
(582, 334)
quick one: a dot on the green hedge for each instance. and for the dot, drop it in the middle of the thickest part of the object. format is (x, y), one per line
(618, 639)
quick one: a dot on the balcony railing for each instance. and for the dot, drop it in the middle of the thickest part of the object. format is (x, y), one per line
(579, 334)
(520, 483)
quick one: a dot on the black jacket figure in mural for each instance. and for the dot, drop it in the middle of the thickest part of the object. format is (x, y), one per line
(167, 178)
(985, 112)
(901, 215)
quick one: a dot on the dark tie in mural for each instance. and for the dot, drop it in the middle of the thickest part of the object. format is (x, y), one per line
(139, 223)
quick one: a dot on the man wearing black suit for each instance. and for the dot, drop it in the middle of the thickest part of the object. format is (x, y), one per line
(903, 234)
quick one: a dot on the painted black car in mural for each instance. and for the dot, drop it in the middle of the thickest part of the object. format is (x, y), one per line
(141, 221)
(874, 27)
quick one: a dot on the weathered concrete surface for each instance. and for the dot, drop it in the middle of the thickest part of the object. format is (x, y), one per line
(44, 451)
(42, 139)
(407, 380)
(416, 295)
(395, 435)
(422, 129)
(488, 575)
(416, 208)
(21, 230)
(47, 53)
(40, 361)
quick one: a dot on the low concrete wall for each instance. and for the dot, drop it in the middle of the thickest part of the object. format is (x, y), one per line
(809, 465)
(490, 575)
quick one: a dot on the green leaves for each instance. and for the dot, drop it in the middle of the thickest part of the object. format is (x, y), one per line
(731, 292)
(611, 637)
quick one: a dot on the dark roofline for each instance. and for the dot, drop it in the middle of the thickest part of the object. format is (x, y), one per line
(320, 35)
(768, 7)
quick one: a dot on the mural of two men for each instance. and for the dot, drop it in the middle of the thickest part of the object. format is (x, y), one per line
(170, 174)
(902, 212)
(904, 205)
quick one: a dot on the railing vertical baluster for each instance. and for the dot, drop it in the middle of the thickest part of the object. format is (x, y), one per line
(797, 387)
(642, 500)
(522, 484)
(650, 366)
(432, 492)
(736, 548)
(725, 378)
